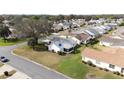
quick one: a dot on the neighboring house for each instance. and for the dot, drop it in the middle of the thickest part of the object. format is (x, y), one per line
(109, 41)
(112, 25)
(111, 61)
(61, 45)
(100, 30)
(82, 37)
(72, 38)
(57, 27)
(78, 36)
(92, 32)
(107, 28)
(75, 25)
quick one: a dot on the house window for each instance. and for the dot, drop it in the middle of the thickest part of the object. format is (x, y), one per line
(122, 70)
(111, 66)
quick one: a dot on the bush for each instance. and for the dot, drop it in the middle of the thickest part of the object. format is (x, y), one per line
(122, 75)
(32, 42)
(60, 53)
(93, 65)
(40, 47)
(106, 69)
(12, 39)
(90, 63)
(84, 62)
(100, 68)
(122, 24)
(117, 73)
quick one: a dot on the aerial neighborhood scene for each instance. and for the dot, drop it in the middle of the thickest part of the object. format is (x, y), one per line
(62, 46)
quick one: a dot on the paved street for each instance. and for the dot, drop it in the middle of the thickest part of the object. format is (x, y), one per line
(31, 69)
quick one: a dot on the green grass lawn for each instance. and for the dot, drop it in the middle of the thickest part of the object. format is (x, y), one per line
(2, 43)
(70, 64)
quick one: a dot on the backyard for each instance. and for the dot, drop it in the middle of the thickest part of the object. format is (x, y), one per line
(70, 64)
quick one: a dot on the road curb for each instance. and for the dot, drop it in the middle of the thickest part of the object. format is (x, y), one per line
(40, 65)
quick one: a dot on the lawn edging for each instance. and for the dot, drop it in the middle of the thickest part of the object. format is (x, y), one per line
(40, 65)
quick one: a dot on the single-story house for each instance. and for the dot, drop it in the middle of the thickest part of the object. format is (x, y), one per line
(72, 38)
(107, 28)
(93, 33)
(82, 37)
(61, 45)
(57, 27)
(111, 61)
(110, 41)
(100, 30)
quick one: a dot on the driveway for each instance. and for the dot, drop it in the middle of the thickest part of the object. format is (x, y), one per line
(31, 69)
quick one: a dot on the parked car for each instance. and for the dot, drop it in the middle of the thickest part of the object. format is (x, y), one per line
(3, 59)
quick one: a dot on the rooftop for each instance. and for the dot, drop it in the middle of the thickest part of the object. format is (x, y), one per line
(115, 58)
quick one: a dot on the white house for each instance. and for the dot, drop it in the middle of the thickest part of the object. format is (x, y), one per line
(61, 45)
(111, 61)
(110, 41)
(77, 41)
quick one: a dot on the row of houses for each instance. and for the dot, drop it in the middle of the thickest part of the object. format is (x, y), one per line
(77, 23)
(110, 59)
(68, 24)
(66, 43)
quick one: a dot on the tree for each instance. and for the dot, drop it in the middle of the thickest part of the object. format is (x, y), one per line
(1, 19)
(34, 28)
(4, 32)
(32, 42)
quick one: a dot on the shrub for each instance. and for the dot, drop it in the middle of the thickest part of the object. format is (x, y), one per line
(122, 75)
(106, 69)
(100, 68)
(117, 73)
(90, 63)
(61, 53)
(122, 24)
(93, 65)
(12, 39)
(84, 62)
(40, 47)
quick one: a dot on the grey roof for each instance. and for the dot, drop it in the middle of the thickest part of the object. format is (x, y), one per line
(65, 43)
(114, 41)
(95, 32)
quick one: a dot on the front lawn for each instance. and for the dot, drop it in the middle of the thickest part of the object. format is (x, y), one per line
(70, 64)
(2, 43)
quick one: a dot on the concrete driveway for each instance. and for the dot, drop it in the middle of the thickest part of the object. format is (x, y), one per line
(31, 69)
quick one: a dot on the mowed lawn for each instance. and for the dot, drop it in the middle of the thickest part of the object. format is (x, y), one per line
(70, 65)
(2, 43)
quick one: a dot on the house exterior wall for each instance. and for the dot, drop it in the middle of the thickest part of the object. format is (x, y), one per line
(105, 43)
(101, 64)
(54, 47)
(76, 40)
(118, 47)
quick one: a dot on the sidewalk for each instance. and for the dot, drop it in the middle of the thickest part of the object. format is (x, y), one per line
(17, 75)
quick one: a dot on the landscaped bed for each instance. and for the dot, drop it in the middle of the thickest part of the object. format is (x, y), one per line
(70, 64)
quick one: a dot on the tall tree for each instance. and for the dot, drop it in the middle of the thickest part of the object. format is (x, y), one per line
(4, 32)
(34, 27)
